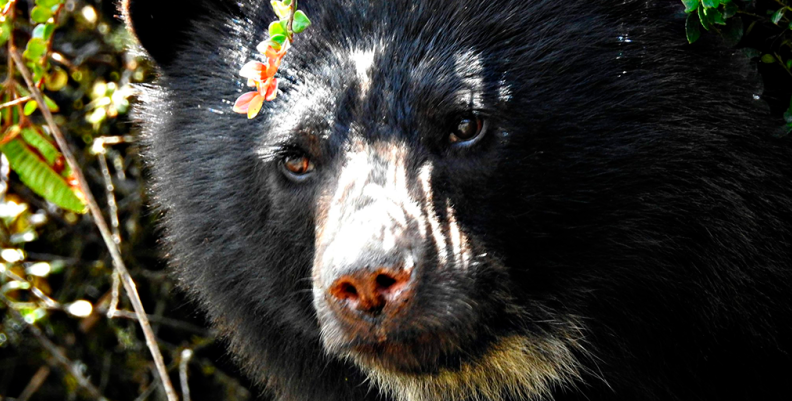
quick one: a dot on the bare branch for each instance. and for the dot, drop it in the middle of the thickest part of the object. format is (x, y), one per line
(35, 382)
(96, 213)
(15, 102)
(186, 354)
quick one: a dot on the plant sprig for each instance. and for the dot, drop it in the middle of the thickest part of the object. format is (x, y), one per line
(262, 76)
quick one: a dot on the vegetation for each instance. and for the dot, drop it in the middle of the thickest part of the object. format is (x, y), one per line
(57, 286)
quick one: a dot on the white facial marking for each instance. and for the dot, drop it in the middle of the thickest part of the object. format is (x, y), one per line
(469, 68)
(424, 177)
(364, 61)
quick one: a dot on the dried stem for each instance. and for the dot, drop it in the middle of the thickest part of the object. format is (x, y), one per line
(96, 213)
(186, 354)
(289, 30)
(35, 383)
(15, 102)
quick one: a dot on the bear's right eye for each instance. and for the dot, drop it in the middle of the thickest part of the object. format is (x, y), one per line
(297, 167)
(468, 130)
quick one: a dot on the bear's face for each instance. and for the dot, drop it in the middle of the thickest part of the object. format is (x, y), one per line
(464, 200)
(402, 173)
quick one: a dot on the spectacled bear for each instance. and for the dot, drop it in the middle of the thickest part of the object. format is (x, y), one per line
(501, 200)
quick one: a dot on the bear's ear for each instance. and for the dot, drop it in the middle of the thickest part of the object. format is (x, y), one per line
(163, 26)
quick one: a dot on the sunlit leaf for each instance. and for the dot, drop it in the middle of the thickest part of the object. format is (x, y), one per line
(276, 28)
(776, 18)
(36, 47)
(690, 5)
(30, 107)
(51, 105)
(5, 31)
(43, 31)
(44, 146)
(279, 39)
(301, 22)
(48, 3)
(710, 3)
(281, 10)
(40, 177)
(40, 14)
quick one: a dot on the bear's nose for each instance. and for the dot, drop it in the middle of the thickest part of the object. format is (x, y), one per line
(371, 291)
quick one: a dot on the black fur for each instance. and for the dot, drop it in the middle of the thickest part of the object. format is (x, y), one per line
(628, 191)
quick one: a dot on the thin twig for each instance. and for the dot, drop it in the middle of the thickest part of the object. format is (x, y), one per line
(15, 102)
(291, 19)
(146, 393)
(35, 383)
(113, 308)
(100, 222)
(112, 206)
(165, 321)
(186, 354)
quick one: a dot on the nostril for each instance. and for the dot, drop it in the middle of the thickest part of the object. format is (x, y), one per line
(384, 282)
(344, 290)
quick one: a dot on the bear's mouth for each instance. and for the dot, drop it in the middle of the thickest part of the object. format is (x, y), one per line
(425, 353)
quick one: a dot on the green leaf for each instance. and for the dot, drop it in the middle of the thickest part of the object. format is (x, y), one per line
(733, 32)
(301, 22)
(692, 30)
(38, 31)
(37, 70)
(777, 15)
(279, 39)
(5, 31)
(704, 19)
(690, 5)
(281, 10)
(273, 44)
(715, 16)
(711, 3)
(48, 3)
(30, 107)
(51, 105)
(48, 30)
(40, 14)
(768, 59)
(40, 177)
(729, 10)
(276, 28)
(36, 47)
(42, 144)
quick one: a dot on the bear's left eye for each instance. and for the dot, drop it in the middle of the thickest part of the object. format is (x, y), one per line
(297, 167)
(468, 130)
